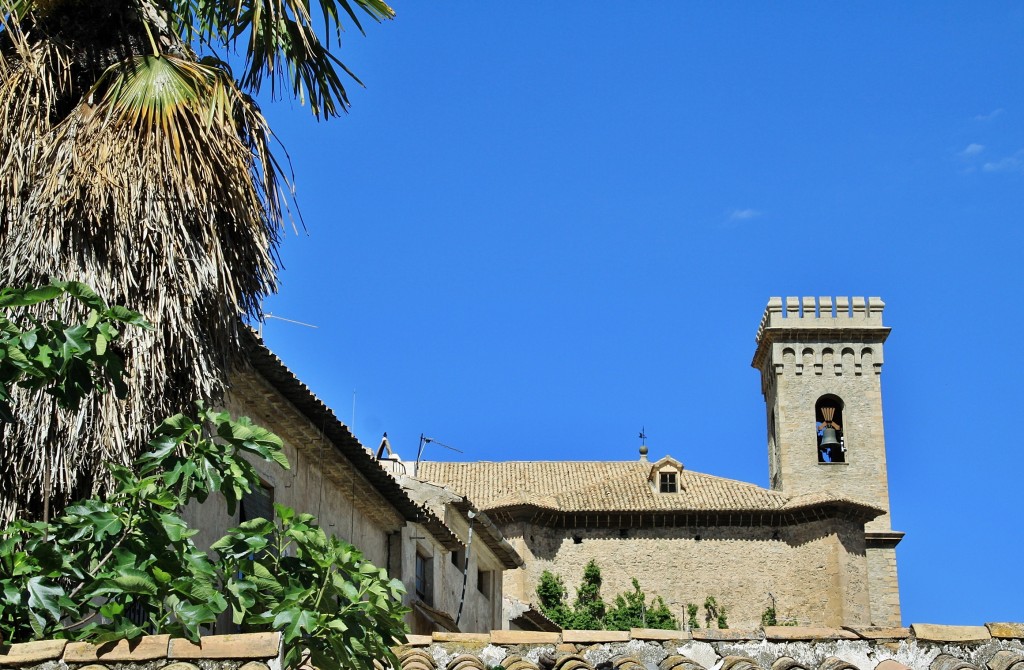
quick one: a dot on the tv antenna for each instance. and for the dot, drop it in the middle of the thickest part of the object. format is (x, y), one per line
(424, 441)
(268, 315)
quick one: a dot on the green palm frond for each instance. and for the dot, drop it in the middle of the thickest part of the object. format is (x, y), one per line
(280, 42)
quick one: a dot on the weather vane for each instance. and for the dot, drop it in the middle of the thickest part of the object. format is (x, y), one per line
(643, 436)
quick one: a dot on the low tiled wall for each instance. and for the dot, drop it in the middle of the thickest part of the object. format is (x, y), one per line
(253, 651)
(919, 647)
(995, 646)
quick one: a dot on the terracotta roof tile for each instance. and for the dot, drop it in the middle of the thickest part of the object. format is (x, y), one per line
(605, 486)
(594, 486)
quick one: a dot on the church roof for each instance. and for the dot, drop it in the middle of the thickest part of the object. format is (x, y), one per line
(609, 486)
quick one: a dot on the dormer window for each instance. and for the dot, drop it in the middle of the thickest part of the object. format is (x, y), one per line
(666, 476)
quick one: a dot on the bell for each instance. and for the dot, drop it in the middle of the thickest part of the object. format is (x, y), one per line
(828, 438)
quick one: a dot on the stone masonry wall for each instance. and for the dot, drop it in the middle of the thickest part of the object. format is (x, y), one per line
(863, 477)
(817, 571)
(884, 587)
(319, 481)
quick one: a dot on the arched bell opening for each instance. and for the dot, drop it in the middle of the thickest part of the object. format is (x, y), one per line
(828, 416)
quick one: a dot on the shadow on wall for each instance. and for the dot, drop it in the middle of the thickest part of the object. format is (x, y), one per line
(546, 543)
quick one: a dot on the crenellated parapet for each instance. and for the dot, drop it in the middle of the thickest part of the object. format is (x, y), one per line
(821, 336)
(824, 312)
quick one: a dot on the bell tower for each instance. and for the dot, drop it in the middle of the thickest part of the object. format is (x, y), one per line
(821, 365)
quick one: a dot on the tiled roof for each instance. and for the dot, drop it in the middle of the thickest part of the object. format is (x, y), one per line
(149, 652)
(920, 647)
(608, 486)
(994, 646)
(284, 381)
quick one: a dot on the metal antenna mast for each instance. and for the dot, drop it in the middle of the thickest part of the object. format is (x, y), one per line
(268, 315)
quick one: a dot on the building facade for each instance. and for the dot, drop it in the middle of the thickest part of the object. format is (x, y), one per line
(817, 545)
(361, 500)
(459, 589)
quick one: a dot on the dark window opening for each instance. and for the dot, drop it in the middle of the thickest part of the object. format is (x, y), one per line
(257, 504)
(423, 578)
(668, 482)
(483, 582)
(457, 559)
(828, 417)
(576, 539)
(623, 532)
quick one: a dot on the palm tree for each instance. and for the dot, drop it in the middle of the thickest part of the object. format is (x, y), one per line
(135, 160)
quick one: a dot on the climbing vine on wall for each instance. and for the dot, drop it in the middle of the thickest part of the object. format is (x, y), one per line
(589, 611)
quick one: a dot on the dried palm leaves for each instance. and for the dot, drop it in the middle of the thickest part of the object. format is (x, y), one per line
(128, 163)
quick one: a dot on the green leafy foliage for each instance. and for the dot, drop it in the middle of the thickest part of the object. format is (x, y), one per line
(768, 617)
(77, 576)
(713, 612)
(280, 42)
(589, 609)
(589, 612)
(631, 610)
(320, 592)
(691, 616)
(68, 362)
(552, 596)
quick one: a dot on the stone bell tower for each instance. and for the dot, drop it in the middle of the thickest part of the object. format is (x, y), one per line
(821, 364)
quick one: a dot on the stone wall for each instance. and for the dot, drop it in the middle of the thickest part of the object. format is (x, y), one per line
(817, 571)
(480, 611)
(319, 482)
(884, 586)
(482, 607)
(863, 477)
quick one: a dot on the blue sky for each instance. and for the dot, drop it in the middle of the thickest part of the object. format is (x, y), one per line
(542, 227)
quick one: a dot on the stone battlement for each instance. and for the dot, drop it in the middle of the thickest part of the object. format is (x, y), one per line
(822, 312)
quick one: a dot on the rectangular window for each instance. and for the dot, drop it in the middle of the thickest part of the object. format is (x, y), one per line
(668, 482)
(424, 568)
(257, 504)
(483, 582)
(457, 559)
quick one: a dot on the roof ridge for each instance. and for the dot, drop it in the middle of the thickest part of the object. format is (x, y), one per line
(737, 481)
(536, 460)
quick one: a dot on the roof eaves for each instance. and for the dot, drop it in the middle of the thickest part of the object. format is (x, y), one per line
(825, 502)
(538, 620)
(272, 369)
(492, 537)
(441, 532)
